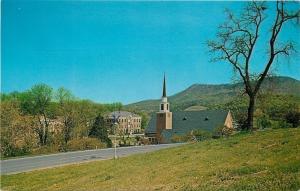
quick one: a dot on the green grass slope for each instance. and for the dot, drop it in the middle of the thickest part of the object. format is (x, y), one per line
(207, 95)
(264, 160)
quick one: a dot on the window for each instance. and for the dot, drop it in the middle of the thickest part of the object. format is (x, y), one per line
(162, 107)
(167, 106)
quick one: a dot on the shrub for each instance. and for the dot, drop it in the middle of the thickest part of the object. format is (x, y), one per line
(263, 122)
(241, 120)
(221, 131)
(180, 138)
(281, 124)
(10, 150)
(84, 143)
(201, 135)
(46, 149)
(145, 141)
(293, 117)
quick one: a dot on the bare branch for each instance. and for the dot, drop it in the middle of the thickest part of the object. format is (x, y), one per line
(286, 50)
(281, 17)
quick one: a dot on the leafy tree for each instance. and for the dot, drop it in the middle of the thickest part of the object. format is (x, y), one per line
(36, 102)
(68, 112)
(63, 95)
(87, 112)
(236, 41)
(99, 130)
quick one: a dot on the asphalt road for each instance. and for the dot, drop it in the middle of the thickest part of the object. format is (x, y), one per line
(13, 166)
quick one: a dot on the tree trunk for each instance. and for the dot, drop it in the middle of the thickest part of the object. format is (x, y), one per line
(45, 130)
(40, 131)
(45, 136)
(41, 137)
(250, 114)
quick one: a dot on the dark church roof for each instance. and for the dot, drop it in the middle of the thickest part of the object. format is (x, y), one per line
(184, 122)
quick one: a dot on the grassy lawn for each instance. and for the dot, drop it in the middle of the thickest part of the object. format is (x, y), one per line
(265, 160)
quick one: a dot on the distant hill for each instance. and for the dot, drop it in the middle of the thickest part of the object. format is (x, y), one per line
(205, 95)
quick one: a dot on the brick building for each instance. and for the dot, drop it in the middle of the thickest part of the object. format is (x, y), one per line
(128, 122)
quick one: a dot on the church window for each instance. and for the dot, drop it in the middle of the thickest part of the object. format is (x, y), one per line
(162, 107)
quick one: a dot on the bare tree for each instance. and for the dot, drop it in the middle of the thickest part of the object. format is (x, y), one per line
(236, 40)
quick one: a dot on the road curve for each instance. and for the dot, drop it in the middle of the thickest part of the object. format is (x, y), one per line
(13, 166)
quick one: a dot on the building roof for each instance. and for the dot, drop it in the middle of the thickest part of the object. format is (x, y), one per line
(118, 114)
(184, 122)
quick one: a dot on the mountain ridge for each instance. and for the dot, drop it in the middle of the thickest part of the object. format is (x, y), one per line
(210, 94)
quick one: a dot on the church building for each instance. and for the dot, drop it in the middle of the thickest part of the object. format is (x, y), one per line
(165, 124)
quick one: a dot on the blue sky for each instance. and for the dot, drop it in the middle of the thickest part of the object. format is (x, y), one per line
(118, 51)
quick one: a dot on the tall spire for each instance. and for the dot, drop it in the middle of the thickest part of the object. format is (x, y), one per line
(164, 87)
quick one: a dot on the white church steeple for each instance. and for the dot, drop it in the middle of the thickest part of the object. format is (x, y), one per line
(164, 105)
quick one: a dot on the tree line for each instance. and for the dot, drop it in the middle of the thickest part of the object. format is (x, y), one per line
(272, 110)
(42, 119)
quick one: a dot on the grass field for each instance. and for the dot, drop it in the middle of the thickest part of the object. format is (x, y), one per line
(264, 160)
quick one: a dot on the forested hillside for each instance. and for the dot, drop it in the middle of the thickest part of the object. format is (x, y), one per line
(212, 95)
